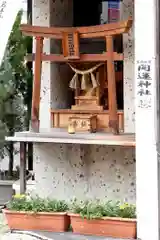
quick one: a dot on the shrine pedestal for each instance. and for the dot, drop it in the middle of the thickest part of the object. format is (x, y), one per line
(60, 118)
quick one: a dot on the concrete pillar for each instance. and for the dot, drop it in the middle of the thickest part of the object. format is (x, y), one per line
(126, 11)
(61, 74)
(54, 76)
(146, 82)
(41, 17)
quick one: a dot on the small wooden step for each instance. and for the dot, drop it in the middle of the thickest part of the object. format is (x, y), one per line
(82, 123)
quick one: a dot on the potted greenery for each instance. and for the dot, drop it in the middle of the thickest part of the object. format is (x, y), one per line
(104, 219)
(28, 213)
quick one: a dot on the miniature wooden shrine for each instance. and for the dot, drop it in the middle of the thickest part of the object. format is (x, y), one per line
(93, 82)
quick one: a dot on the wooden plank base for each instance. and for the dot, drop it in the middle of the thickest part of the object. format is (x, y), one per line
(60, 118)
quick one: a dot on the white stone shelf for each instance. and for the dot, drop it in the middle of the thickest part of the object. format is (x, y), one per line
(62, 136)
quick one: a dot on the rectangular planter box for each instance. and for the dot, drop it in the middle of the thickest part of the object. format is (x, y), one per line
(107, 226)
(56, 222)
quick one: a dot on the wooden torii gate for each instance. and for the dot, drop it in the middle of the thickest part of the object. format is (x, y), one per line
(70, 38)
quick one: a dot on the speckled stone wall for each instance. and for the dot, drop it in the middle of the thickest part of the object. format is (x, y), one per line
(65, 171)
(127, 10)
(61, 14)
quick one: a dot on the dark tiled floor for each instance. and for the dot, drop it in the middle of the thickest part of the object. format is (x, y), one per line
(71, 236)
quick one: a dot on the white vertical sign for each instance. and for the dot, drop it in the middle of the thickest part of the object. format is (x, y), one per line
(146, 84)
(8, 13)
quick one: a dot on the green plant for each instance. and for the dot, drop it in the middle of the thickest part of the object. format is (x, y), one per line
(96, 209)
(36, 204)
(15, 89)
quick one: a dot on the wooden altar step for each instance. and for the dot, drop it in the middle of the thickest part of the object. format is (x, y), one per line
(60, 118)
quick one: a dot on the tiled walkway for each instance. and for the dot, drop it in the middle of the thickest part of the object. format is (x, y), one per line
(49, 236)
(10, 236)
(3, 226)
(71, 236)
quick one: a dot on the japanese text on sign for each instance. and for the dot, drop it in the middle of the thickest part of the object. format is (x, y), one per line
(2, 7)
(144, 84)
